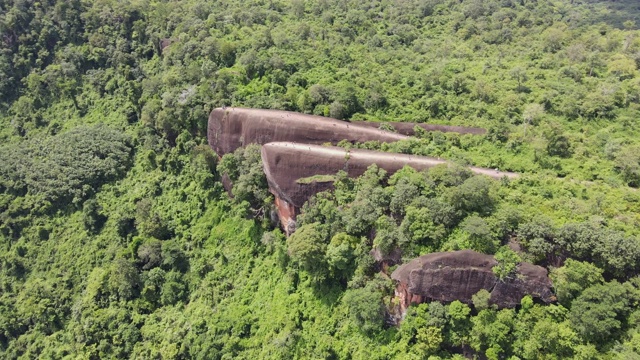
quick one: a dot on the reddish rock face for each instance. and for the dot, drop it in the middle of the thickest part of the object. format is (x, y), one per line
(406, 128)
(458, 275)
(232, 128)
(287, 215)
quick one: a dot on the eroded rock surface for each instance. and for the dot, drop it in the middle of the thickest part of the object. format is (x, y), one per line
(458, 275)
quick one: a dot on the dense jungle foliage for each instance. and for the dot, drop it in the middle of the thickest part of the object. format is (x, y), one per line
(117, 239)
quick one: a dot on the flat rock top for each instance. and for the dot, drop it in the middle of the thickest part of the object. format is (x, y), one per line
(463, 259)
(407, 128)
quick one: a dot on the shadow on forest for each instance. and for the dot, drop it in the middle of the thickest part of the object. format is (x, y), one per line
(619, 12)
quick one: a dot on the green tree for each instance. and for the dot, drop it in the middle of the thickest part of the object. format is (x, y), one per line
(598, 313)
(574, 277)
(124, 280)
(627, 162)
(459, 324)
(340, 254)
(481, 299)
(365, 308)
(307, 247)
(473, 195)
(508, 261)
(492, 332)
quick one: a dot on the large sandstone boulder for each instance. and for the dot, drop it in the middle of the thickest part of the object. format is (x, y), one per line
(232, 128)
(458, 275)
(297, 171)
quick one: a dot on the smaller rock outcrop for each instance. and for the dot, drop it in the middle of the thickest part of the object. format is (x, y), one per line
(458, 275)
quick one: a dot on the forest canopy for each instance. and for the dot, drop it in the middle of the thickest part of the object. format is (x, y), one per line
(118, 240)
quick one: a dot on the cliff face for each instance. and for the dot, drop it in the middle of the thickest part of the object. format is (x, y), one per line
(458, 275)
(232, 128)
(295, 172)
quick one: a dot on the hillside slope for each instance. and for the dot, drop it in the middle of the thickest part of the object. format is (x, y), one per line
(117, 239)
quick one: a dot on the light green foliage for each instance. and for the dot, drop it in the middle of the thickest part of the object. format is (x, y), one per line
(573, 278)
(315, 179)
(419, 227)
(508, 261)
(340, 254)
(459, 324)
(481, 299)
(491, 332)
(428, 340)
(550, 340)
(627, 162)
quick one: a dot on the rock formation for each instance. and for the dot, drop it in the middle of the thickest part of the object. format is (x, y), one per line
(296, 167)
(297, 171)
(232, 128)
(458, 275)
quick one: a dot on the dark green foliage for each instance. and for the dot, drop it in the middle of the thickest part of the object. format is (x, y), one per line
(365, 307)
(599, 313)
(473, 195)
(92, 217)
(123, 280)
(66, 168)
